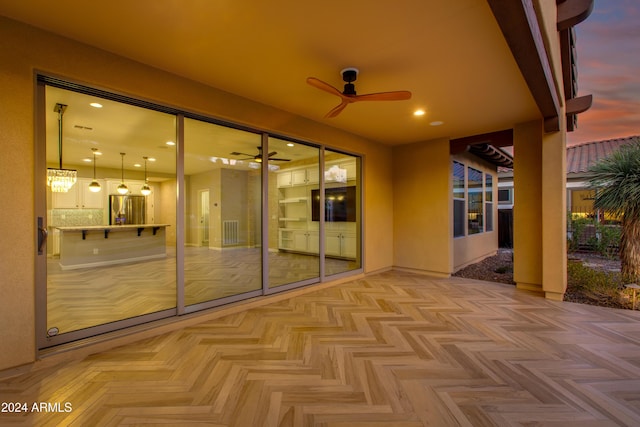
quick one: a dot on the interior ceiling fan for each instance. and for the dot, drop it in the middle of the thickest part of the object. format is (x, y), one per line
(348, 96)
(258, 157)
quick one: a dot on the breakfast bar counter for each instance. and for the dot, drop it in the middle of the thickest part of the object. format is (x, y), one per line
(101, 245)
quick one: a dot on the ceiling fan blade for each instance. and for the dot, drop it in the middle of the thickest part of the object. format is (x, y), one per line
(273, 153)
(337, 110)
(324, 86)
(400, 95)
(235, 153)
(279, 160)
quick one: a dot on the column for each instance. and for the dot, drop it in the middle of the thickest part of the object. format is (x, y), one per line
(527, 208)
(554, 218)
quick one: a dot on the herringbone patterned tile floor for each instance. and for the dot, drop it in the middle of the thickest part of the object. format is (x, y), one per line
(393, 349)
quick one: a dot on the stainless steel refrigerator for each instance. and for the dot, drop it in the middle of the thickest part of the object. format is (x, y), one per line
(127, 209)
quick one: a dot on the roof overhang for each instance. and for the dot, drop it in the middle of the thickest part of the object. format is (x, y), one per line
(519, 24)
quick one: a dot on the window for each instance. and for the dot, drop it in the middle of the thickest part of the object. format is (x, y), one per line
(472, 200)
(504, 196)
(458, 199)
(488, 197)
(475, 208)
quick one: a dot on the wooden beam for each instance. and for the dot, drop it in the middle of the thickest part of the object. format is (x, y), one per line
(503, 138)
(573, 12)
(579, 105)
(519, 24)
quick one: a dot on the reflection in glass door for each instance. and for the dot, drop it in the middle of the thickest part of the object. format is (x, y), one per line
(341, 212)
(223, 163)
(111, 255)
(294, 241)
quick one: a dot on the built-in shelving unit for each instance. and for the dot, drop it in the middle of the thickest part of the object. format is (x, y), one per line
(297, 232)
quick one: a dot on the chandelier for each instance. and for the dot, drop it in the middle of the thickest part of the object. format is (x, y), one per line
(60, 180)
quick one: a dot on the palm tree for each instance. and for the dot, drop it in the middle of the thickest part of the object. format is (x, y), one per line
(617, 182)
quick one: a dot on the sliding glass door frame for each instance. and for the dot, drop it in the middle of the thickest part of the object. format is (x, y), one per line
(45, 340)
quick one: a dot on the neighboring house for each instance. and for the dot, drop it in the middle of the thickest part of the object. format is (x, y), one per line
(580, 158)
(207, 88)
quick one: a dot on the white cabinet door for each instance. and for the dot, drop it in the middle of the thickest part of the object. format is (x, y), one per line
(313, 242)
(284, 179)
(89, 199)
(68, 200)
(313, 176)
(332, 244)
(300, 241)
(340, 244)
(299, 177)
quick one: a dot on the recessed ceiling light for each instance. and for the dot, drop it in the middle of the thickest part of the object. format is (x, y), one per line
(170, 143)
(290, 144)
(152, 159)
(418, 113)
(97, 152)
(437, 123)
(96, 105)
(137, 165)
(88, 160)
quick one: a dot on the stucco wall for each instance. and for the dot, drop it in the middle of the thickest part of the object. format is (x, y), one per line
(422, 220)
(24, 50)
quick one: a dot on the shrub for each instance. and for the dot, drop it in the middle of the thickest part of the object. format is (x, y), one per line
(595, 285)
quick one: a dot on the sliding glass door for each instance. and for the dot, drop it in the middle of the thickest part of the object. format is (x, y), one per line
(341, 212)
(111, 248)
(294, 239)
(151, 213)
(222, 175)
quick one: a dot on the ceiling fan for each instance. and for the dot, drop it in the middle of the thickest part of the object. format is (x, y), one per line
(348, 96)
(258, 157)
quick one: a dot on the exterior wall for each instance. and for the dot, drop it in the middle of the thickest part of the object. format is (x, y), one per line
(473, 248)
(25, 50)
(422, 222)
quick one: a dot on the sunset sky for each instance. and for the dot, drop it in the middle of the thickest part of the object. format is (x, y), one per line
(608, 44)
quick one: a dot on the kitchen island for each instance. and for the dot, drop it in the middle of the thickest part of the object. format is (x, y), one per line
(101, 245)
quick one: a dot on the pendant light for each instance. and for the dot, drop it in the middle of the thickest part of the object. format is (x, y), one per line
(145, 190)
(94, 187)
(122, 188)
(60, 180)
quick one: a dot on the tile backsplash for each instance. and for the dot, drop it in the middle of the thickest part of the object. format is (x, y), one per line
(76, 217)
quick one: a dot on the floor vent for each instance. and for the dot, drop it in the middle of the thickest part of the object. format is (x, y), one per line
(230, 232)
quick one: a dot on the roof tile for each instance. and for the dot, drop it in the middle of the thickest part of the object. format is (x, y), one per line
(581, 156)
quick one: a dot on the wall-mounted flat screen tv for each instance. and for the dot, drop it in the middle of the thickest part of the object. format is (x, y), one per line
(339, 204)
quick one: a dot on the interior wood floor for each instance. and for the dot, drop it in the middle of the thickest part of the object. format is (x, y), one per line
(78, 299)
(392, 349)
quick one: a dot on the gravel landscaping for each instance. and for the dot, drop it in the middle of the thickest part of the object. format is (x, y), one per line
(499, 268)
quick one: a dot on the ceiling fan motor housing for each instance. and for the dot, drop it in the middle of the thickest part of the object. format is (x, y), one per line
(349, 75)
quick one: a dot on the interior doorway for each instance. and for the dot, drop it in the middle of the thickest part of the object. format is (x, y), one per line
(203, 212)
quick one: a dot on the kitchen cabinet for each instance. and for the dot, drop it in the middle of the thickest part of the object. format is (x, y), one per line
(305, 241)
(340, 244)
(79, 197)
(297, 177)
